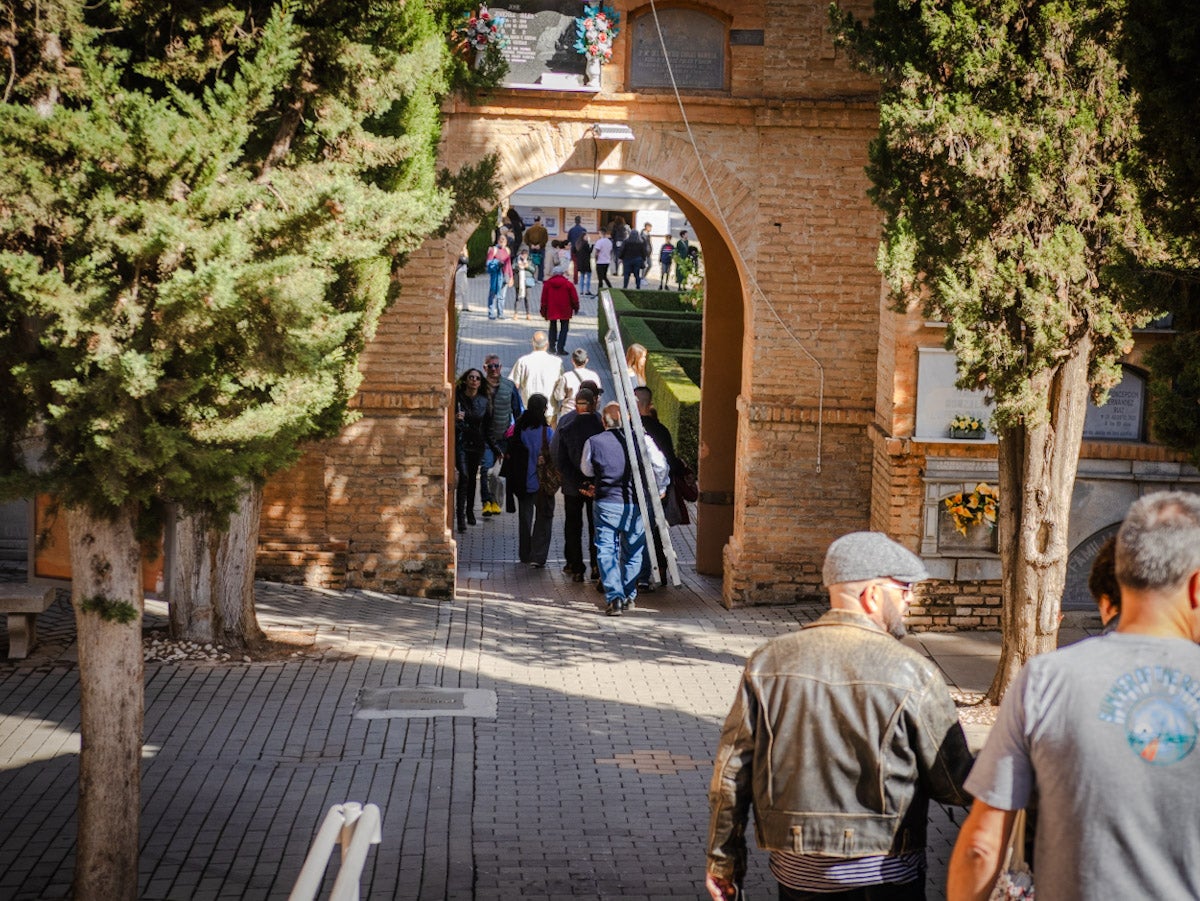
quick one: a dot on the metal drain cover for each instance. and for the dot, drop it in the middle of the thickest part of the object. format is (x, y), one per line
(390, 703)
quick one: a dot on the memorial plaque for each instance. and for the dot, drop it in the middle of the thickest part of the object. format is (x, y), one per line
(938, 400)
(1076, 595)
(696, 46)
(541, 44)
(1121, 417)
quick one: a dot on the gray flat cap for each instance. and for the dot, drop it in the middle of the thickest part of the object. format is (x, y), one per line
(870, 555)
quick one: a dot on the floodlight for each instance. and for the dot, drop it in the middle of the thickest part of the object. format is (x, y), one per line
(612, 131)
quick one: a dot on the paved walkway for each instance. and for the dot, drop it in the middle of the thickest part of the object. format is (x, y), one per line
(590, 782)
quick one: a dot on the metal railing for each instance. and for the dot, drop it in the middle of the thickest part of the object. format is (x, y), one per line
(356, 827)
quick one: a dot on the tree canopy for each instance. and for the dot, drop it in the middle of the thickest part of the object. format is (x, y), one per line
(1006, 167)
(1003, 166)
(198, 206)
(1162, 52)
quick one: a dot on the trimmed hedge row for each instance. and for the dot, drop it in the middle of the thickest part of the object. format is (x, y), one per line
(672, 372)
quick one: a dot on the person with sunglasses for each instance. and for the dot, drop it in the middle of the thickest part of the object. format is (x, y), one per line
(471, 403)
(838, 737)
(503, 411)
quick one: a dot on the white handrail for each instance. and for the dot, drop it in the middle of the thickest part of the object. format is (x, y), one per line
(356, 827)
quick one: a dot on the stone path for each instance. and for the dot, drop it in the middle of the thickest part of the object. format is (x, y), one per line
(590, 782)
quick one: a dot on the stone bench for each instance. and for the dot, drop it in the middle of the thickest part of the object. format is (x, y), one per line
(23, 603)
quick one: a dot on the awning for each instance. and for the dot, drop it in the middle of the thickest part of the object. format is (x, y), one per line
(574, 189)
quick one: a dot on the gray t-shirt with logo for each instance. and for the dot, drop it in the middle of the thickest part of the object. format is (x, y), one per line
(1105, 733)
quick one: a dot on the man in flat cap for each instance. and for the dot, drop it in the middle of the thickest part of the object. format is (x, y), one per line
(839, 736)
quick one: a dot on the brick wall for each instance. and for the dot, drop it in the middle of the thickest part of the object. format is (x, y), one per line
(786, 144)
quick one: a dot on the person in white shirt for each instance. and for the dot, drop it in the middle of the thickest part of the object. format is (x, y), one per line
(537, 371)
(603, 251)
(562, 398)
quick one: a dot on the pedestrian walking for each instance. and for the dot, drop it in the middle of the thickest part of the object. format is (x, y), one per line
(560, 301)
(620, 535)
(568, 453)
(500, 276)
(1103, 734)
(524, 274)
(470, 439)
(531, 439)
(838, 737)
(505, 407)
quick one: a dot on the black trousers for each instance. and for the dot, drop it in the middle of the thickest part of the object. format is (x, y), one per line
(574, 508)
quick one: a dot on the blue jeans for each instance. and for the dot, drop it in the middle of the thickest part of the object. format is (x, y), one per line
(620, 546)
(497, 289)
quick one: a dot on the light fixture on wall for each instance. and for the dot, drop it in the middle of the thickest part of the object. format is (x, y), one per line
(612, 131)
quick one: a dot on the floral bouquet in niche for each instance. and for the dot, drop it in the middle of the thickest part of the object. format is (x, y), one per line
(481, 32)
(965, 426)
(595, 32)
(976, 508)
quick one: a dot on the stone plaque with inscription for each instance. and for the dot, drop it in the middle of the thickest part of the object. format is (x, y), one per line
(695, 44)
(1121, 417)
(541, 44)
(1076, 595)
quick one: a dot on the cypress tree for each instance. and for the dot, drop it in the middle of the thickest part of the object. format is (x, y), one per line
(1003, 166)
(202, 209)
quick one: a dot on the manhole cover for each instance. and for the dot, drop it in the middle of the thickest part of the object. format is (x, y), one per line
(385, 703)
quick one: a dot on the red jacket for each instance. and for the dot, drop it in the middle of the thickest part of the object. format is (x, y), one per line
(559, 298)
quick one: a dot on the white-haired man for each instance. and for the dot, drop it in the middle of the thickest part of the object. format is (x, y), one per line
(1105, 732)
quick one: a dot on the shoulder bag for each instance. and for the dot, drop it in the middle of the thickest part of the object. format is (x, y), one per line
(1015, 881)
(548, 476)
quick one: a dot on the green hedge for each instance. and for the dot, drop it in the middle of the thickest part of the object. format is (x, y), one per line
(672, 371)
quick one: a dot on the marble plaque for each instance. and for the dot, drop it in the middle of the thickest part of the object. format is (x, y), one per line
(938, 400)
(1121, 417)
(695, 44)
(541, 44)
(1076, 595)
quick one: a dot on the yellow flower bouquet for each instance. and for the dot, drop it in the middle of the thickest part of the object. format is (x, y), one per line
(979, 507)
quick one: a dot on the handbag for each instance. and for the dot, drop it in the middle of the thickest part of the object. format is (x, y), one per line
(688, 490)
(548, 476)
(1016, 878)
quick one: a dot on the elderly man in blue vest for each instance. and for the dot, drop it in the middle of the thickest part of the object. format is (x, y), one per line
(620, 532)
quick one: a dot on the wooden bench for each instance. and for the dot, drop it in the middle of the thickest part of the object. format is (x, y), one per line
(23, 603)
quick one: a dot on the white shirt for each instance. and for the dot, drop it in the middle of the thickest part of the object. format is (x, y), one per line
(536, 373)
(568, 383)
(603, 249)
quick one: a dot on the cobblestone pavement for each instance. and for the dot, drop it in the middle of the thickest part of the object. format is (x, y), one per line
(590, 782)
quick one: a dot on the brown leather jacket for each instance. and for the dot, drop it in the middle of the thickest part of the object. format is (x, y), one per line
(839, 736)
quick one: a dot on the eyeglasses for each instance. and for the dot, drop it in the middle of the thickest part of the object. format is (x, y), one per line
(906, 588)
(491, 366)
(472, 378)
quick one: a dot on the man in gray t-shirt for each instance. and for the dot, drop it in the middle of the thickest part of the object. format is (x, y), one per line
(1104, 733)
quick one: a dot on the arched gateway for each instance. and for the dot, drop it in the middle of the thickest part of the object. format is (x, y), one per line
(776, 192)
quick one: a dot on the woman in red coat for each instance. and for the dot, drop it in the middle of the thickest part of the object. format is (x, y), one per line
(560, 301)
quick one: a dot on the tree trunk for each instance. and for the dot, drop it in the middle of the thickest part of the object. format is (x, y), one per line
(106, 583)
(1037, 478)
(233, 572)
(210, 575)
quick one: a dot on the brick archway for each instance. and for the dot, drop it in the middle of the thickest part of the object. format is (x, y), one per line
(792, 332)
(670, 163)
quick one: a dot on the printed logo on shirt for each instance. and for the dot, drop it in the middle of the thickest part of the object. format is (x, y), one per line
(1160, 710)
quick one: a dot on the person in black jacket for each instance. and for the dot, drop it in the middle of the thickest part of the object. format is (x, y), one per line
(568, 449)
(471, 416)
